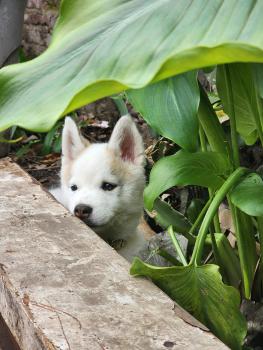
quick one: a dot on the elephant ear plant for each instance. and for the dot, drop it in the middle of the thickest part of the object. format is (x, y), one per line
(152, 50)
(208, 291)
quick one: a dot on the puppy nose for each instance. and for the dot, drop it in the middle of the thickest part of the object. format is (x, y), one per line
(82, 211)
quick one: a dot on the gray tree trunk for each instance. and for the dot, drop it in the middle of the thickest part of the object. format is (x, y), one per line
(11, 24)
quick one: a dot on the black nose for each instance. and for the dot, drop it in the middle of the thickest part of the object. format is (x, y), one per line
(82, 211)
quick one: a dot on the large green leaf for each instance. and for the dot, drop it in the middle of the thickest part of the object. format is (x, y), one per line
(102, 47)
(183, 168)
(244, 100)
(200, 291)
(170, 108)
(167, 216)
(248, 195)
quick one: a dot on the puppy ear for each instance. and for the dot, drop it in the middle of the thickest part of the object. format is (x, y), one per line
(127, 142)
(72, 143)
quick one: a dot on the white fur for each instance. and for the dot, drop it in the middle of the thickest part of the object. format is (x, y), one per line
(115, 213)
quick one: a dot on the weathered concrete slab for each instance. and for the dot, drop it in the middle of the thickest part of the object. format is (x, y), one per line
(62, 287)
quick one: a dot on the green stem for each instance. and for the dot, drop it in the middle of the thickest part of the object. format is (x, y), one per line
(219, 196)
(233, 128)
(216, 218)
(120, 104)
(202, 139)
(215, 249)
(164, 254)
(216, 225)
(259, 102)
(259, 122)
(3, 140)
(260, 234)
(177, 246)
(204, 148)
(200, 216)
(211, 125)
(241, 245)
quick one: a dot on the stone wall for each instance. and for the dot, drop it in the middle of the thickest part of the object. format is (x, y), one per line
(40, 18)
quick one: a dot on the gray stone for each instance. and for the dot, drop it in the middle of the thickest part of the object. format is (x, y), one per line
(62, 287)
(11, 22)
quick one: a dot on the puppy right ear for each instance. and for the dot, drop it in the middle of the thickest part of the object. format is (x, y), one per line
(72, 143)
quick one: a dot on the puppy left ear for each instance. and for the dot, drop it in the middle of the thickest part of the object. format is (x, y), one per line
(72, 142)
(127, 142)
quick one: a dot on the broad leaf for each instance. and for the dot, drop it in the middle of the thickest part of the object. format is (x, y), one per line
(183, 168)
(167, 216)
(239, 93)
(248, 195)
(170, 108)
(200, 291)
(102, 47)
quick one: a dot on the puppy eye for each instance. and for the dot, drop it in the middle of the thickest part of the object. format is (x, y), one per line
(73, 187)
(106, 186)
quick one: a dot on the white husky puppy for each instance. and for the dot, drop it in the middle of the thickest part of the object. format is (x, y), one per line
(103, 184)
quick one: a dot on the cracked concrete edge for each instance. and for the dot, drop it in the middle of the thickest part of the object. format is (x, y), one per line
(128, 297)
(19, 318)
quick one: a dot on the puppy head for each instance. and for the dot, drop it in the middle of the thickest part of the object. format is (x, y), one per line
(104, 182)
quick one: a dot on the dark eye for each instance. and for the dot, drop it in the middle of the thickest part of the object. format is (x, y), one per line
(73, 187)
(106, 186)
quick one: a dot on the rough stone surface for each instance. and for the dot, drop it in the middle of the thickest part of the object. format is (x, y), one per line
(62, 287)
(39, 21)
(11, 22)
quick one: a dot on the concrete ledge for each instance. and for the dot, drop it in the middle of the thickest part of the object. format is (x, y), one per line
(62, 287)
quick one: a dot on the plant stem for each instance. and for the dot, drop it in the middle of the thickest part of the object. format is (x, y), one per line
(164, 254)
(260, 234)
(120, 104)
(259, 123)
(200, 216)
(217, 229)
(219, 196)
(216, 225)
(202, 139)
(233, 128)
(3, 140)
(177, 246)
(259, 117)
(241, 245)
(211, 125)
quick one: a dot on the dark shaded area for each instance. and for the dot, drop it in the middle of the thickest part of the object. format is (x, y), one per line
(254, 314)
(7, 341)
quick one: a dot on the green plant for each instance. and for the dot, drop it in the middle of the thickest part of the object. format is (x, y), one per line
(152, 49)
(215, 165)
